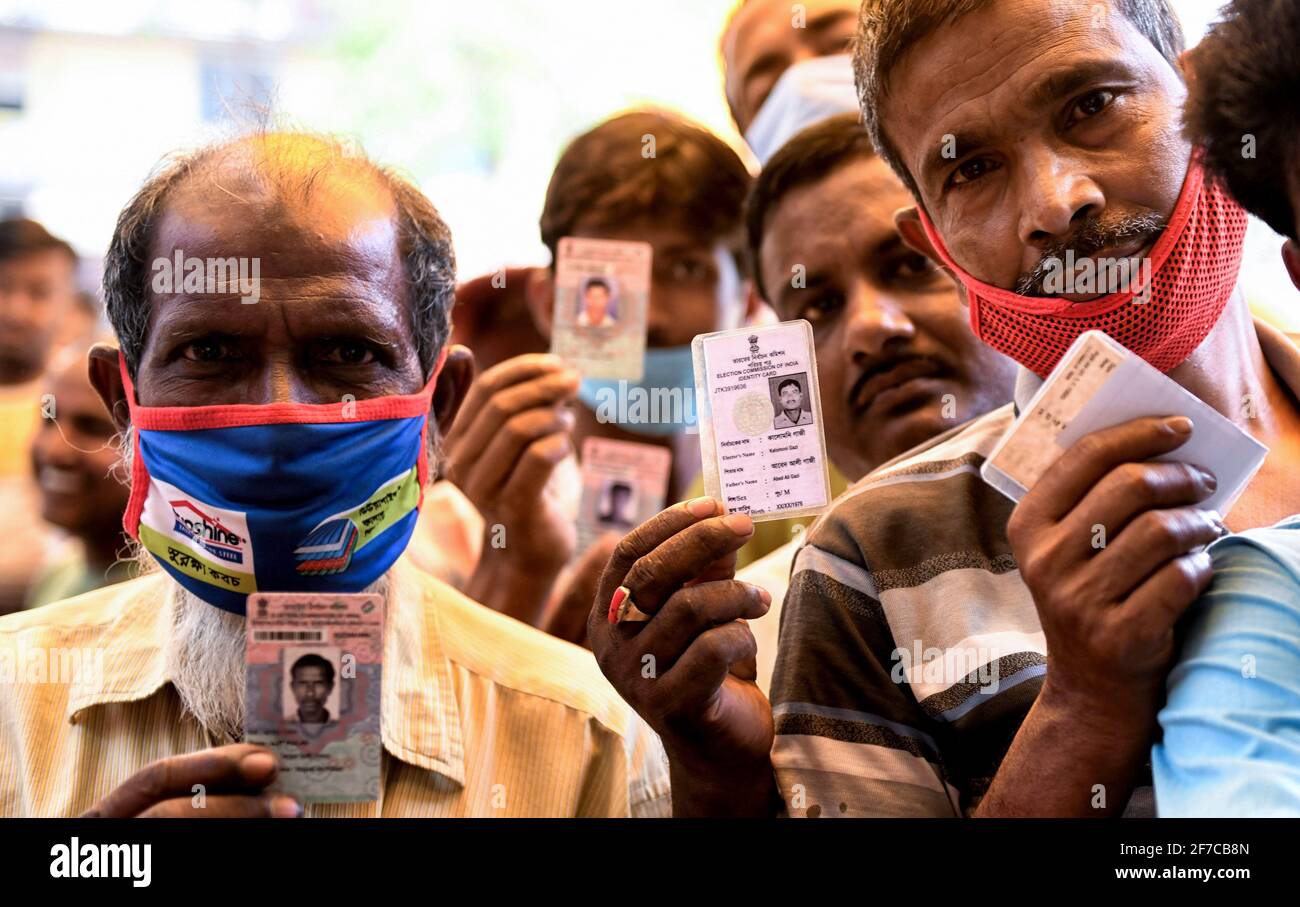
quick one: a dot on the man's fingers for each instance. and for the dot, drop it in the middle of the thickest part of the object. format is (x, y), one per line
(238, 767)
(658, 574)
(1093, 456)
(226, 806)
(524, 486)
(695, 610)
(481, 472)
(644, 539)
(1131, 489)
(698, 674)
(487, 408)
(1151, 612)
(1148, 543)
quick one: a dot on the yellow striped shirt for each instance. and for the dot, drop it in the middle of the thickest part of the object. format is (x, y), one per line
(481, 715)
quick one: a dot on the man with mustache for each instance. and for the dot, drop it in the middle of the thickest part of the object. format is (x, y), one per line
(896, 361)
(249, 426)
(942, 654)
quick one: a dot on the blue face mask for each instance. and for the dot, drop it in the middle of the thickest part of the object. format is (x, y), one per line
(661, 404)
(283, 497)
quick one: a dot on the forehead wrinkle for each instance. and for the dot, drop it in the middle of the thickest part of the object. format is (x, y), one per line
(983, 105)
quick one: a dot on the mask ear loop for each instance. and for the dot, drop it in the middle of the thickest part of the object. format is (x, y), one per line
(107, 445)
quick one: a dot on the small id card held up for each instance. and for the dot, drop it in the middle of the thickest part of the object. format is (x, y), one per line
(313, 665)
(1099, 384)
(602, 290)
(761, 439)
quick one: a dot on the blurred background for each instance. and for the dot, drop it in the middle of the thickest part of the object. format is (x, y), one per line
(475, 101)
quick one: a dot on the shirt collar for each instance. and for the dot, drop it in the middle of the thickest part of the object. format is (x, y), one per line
(420, 715)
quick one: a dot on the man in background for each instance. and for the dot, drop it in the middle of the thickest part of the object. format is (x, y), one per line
(37, 289)
(513, 450)
(73, 459)
(897, 363)
(786, 66)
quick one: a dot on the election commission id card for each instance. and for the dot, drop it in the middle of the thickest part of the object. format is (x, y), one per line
(313, 665)
(1099, 384)
(602, 290)
(624, 483)
(761, 438)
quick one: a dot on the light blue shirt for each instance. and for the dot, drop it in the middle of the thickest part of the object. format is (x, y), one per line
(1231, 723)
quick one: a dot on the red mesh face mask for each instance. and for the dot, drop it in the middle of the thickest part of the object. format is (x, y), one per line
(1193, 271)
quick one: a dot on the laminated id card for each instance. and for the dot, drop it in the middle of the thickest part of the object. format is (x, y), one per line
(602, 290)
(1099, 384)
(313, 669)
(761, 438)
(624, 483)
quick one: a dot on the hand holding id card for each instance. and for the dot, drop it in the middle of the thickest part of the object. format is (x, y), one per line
(761, 439)
(313, 666)
(1099, 384)
(602, 289)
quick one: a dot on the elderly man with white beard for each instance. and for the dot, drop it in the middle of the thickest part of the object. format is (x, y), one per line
(257, 420)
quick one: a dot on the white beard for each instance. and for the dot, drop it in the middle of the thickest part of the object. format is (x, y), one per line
(205, 660)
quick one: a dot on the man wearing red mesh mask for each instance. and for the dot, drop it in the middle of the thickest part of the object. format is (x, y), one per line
(914, 675)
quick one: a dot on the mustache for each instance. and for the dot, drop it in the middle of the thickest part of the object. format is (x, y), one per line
(1092, 236)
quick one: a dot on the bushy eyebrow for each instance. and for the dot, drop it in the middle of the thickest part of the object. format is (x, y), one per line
(1049, 91)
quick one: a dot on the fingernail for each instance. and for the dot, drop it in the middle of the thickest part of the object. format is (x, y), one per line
(617, 599)
(257, 765)
(1179, 425)
(702, 506)
(1208, 480)
(286, 808)
(739, 523)
(1215, 520)
(763, 595)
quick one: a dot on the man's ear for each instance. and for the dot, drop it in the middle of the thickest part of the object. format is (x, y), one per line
(539, 294)
(453, 384)
(106, 379)
(907, 221)
(1291, 257)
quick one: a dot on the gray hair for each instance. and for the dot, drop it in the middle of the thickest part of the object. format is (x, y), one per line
(426, 246)
(887, 29)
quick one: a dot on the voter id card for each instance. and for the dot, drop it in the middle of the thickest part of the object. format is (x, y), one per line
(761, 438)
(1099, 384)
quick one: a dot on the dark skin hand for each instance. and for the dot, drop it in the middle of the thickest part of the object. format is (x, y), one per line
(1108, 613)
(231, 780)
(689, 671)
(513, 431)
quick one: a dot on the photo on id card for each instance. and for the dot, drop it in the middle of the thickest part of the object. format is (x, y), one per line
(624, 483)
(313, 666)
(761, 439)
(602, 290)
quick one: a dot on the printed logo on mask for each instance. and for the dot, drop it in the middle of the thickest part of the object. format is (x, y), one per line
(204, 541)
